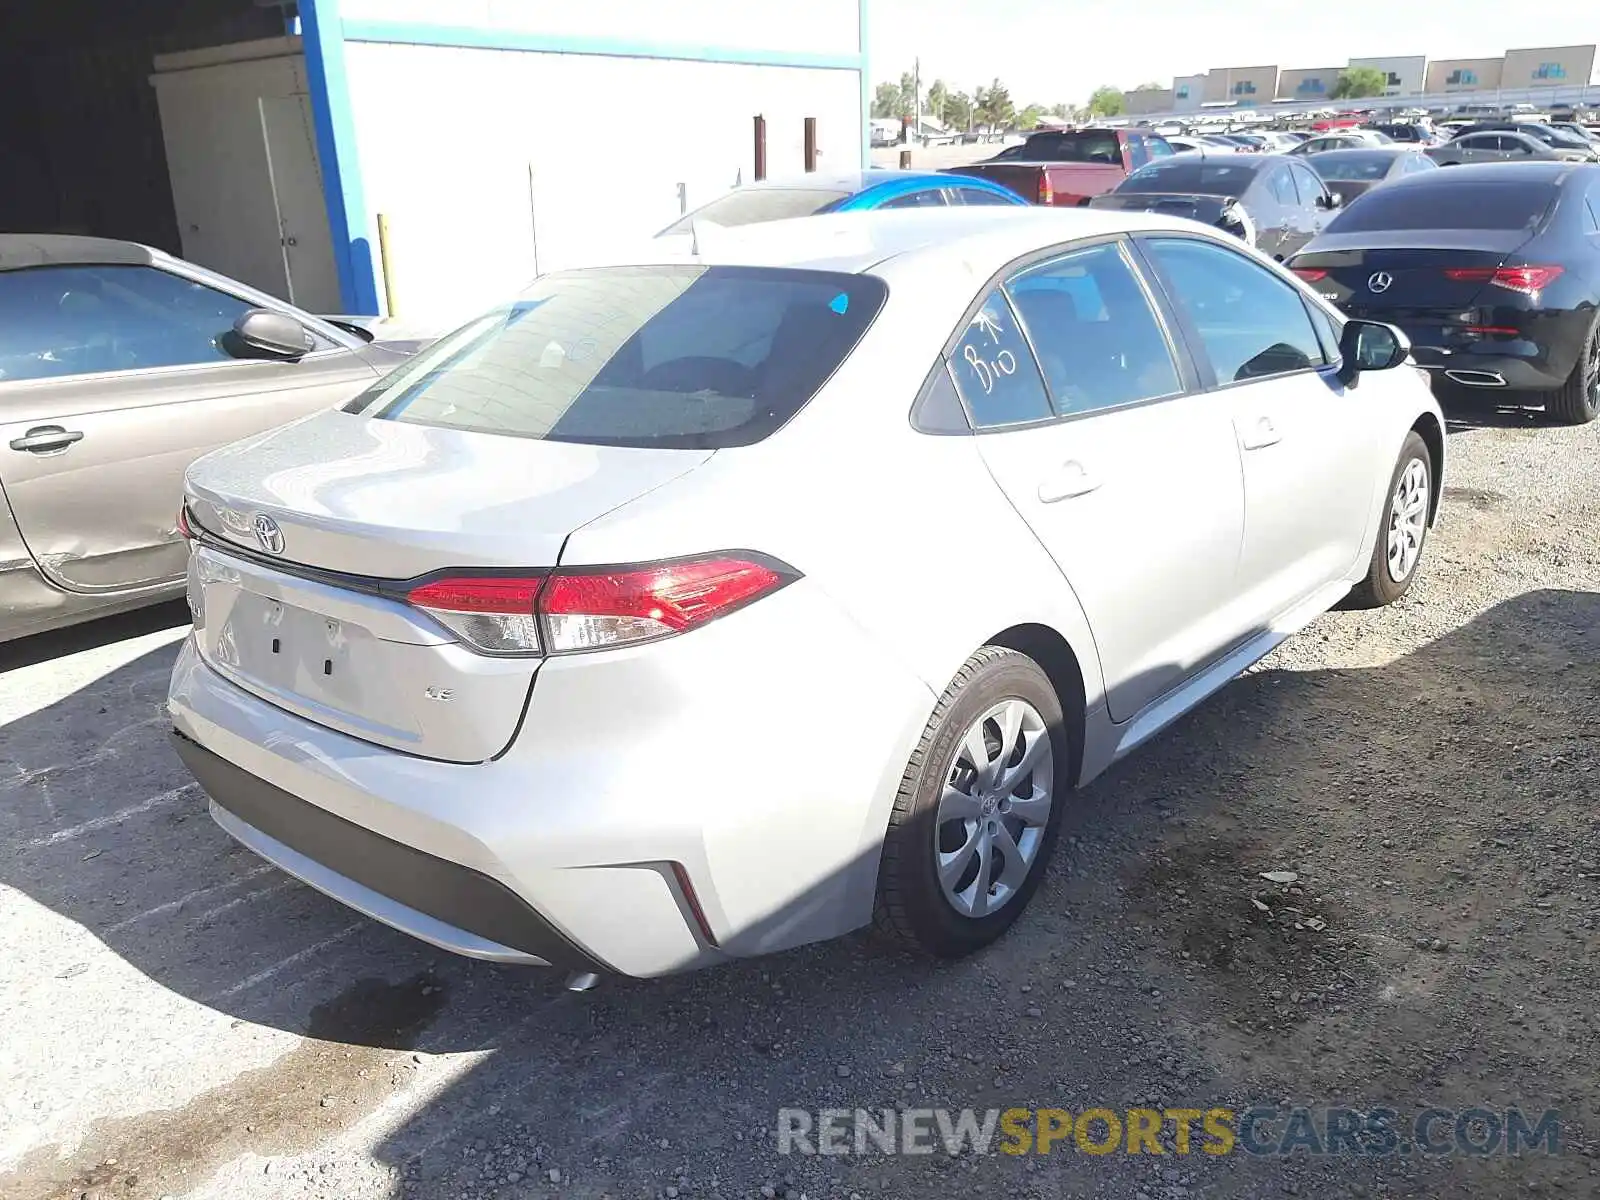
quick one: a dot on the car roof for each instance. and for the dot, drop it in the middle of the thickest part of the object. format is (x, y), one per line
(19, 251)
(976, 239)
(1542, 171)
(1353, 152)
(847, 181)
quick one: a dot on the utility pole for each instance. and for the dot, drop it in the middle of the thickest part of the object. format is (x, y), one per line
(916, 87)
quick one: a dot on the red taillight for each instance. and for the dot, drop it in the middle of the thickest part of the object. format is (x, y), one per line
(1047, 194)
(1526, 280)
(490, 612)
(593, 610)
(1500, 330)
(185, 531)
(1310, 274)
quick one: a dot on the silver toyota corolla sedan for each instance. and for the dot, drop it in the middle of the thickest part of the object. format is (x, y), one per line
(698, 606)
(119, 365)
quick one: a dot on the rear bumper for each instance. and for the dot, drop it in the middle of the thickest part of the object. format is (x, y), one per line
(431, 898)
(1540, 358)
(719, 795)
(1492, 367)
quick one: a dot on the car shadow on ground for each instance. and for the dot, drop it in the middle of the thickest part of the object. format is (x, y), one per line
(1145, 972)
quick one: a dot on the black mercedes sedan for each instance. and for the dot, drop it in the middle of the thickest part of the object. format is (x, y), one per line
(1492, 271)
(1275, 202)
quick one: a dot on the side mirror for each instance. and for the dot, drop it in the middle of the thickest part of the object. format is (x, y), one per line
(1370, 346)
(262, 333)
(1330, 200)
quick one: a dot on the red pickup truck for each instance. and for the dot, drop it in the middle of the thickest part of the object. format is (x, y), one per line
(1067, 168)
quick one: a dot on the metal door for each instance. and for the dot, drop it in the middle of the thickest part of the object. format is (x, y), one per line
(295, 176)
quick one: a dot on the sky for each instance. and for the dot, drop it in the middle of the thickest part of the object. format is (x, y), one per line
(1055, 51)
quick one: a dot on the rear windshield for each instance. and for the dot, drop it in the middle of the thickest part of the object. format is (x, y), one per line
(1351, 164)
(753, 205)
(1456, 204)
(673, 356)
(1083, 146)
(1207, 177)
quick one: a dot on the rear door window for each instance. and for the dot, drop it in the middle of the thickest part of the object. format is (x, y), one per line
(926, 198)
(966, 195)
(1307, 184)
(1098, 340)
(672, 356)
(995, 369)
(1281, 186)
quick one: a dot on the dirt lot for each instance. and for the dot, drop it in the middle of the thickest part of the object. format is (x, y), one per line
(180, 1019)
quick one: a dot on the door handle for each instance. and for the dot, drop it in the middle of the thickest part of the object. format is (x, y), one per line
(42, 439)
(1073, 479)
(1261, 434)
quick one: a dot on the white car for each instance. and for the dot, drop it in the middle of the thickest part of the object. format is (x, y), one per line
(697, 606)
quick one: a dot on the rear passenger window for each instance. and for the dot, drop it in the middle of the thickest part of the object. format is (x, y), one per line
(927, 198)
(1097, 338)
(979, 196)
(1281, 185)
(995, 370)
(1252, 323)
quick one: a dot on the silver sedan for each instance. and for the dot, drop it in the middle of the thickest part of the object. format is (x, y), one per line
(120, 365)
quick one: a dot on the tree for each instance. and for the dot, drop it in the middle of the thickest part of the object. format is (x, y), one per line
(938, 101)
(1028, 118)
(886, 101)
(994, 107)
(1107, 102)
(1064, 111)
(908, 94)
(958, 110)
(1150, 87)
(1358, 82)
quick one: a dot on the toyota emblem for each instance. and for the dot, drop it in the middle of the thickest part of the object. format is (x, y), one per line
(268, 533)
(1380, 281)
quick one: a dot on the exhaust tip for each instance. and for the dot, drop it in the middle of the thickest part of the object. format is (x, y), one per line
(1485, 379)
(581, 981)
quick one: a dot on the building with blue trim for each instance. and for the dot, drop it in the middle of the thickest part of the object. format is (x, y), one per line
(495, 138)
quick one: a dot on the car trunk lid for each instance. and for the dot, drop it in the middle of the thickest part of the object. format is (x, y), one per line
(309, 534)
(1191, 206)
(1406, 275)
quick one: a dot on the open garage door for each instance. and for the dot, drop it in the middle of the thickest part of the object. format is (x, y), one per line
(181, 124)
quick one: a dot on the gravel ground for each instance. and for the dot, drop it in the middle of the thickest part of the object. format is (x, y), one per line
(180, 1019)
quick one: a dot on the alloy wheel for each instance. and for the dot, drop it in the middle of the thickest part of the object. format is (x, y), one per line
(994, 809)
(1408, 520)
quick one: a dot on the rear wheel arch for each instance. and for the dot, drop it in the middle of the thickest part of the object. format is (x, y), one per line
(1059, 661)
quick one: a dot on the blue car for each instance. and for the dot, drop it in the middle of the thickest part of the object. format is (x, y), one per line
(859, 190)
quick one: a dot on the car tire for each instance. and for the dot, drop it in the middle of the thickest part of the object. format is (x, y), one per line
(962, 857)
(1577, 402)
(1386, 582)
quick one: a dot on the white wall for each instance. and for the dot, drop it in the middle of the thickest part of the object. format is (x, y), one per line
(795, 26)
(446, 136)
